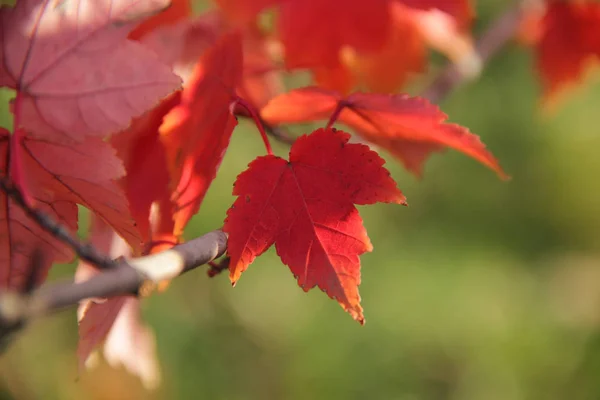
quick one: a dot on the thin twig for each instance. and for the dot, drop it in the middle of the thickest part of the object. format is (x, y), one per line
(498, 34)
(128, 277)
(84, 250)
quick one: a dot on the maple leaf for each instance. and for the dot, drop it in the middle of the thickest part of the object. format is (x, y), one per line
(180, 45)
(176, 11)
(60, 177)
(314, 31)
(402, 56)
(76, 56)
(242, 12)
(305, 206)
(410, 128)
(566, 43)
(197, 131)
(145, 160)
(116, 320)
(461, 10)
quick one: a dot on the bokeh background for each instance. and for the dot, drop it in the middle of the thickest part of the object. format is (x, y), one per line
(479, 290)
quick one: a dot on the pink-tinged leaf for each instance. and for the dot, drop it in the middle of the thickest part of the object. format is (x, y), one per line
(116, 321)
(131, 343)
(305, 207)
(95, 325)
(77, 71)
(20, 236)
(60, 177)
(180, 45)
(96, 316)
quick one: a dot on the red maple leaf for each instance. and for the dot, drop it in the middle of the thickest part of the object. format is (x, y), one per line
(75, 70)
(567, 41)
(305, 206)
(197, 131)
(145, 160)
(177, 11)
(314, 31)
(243, 12)
(60, 177)
(461, 10)
(410, 128)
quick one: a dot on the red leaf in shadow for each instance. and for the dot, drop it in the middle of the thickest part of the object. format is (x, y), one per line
(75, 69)
(60, 177)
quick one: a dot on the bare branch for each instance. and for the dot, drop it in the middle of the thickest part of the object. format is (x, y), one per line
(499, 33)
(126, 277)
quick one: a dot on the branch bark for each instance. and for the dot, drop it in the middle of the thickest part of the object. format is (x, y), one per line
(134, 276)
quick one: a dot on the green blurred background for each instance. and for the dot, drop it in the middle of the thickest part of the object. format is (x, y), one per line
(481, 289)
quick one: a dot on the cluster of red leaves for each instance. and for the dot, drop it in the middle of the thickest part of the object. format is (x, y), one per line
(378, 44)
(566, 38)
(127, 108)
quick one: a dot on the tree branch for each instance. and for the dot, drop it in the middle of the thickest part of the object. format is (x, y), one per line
(126, 277)
(498, 34)
(84, 250)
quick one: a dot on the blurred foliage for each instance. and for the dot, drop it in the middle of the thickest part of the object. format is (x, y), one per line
(480, 289)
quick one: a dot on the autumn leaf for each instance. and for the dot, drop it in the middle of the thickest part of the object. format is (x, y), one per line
(177, 11)
(197, 131)
(314, 31)
(75, 69)
(145, 160)
(60, 177)
(461, 10)
(242, 12)
(180, 45)
(403, 55)
(566, 43)
(116, 321)
(305, 206)
(410, 128)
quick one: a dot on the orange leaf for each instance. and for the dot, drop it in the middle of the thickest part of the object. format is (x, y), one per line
(176, 11)
(409, 127)
(196, 133)
(403, 55)
(305, 207)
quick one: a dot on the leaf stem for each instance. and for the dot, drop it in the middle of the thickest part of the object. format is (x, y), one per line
(336, 113)
(257, 122)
